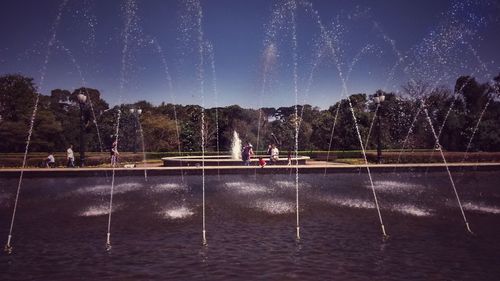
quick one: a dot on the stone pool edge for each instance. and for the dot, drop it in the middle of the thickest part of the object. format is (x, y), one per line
(247, 170)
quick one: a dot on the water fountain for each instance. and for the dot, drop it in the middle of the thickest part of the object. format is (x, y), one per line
(233, 159)
(236, 147)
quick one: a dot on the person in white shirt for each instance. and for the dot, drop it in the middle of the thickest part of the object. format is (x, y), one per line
(114, 153)
(70, 156)
(275, 153)
(51, 160)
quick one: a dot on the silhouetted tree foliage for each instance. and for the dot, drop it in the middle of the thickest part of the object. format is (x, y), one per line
(454, 116)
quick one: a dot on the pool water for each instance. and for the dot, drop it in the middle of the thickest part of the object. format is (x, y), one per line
(61, 224)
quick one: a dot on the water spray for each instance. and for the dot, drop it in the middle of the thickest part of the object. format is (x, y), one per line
(201, 78)
(8, 247)
(332, 133)
(108, 242)
(331, 47)
(143, 145)
(439, 148)
(172, 96)
(113, 163)
(130, 21)
(296, 123)
(211, 55)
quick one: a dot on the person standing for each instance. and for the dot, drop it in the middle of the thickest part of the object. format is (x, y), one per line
(247, 154)
(70, 155)
(114, 153)
(275, 153)
(269, 150)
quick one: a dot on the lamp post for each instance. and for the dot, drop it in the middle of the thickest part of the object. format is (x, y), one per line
(379, 99)
(82, 99)
(135, 113)
(139, 112)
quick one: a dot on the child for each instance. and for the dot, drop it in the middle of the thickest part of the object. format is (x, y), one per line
(262, 162)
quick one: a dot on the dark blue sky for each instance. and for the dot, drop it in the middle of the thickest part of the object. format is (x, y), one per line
(427, 33)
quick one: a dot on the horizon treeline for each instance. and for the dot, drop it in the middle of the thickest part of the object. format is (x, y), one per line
(168, 127)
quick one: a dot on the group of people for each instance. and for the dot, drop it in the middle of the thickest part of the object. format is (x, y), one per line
(272, 151)
(246, 155)
(50, 161)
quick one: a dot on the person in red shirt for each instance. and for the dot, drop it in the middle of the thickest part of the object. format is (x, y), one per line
(262, 162)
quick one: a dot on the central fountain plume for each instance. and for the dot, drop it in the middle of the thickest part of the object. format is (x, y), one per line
(236, 146)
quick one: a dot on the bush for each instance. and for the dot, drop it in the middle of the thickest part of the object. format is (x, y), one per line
(430, 157)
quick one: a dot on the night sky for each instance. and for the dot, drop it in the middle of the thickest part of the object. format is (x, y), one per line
(437, 40)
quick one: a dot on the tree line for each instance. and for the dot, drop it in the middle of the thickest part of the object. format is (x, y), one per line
(169, 127)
